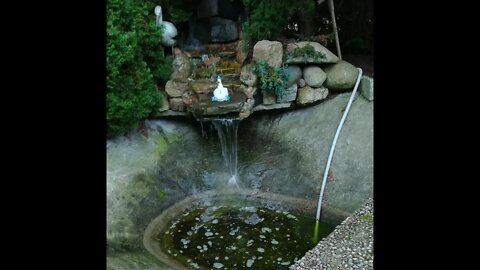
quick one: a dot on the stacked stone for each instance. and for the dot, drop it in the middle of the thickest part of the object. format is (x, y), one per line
(179, 83)
(309, 80)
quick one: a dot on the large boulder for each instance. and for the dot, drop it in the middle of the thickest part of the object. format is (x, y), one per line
(176, 88)
(314, 76)
(294, 73)
(329, 56)
(270, 51)
(308, 95)
(223, 30)
(340, 76)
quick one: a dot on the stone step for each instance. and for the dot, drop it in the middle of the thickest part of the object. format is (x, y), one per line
(207, 107)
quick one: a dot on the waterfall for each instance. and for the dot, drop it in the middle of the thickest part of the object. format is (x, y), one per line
(227, 133)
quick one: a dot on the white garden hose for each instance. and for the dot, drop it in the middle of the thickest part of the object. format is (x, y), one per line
(320, 198)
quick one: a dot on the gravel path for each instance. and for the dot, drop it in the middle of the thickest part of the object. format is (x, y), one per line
(348, 247)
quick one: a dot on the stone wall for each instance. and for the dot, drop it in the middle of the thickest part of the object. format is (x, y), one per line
(311, 78)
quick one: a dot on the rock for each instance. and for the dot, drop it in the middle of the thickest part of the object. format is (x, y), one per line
(203, 88)
(223, 30)
(366, 87)
(294, 73)
(289, 94)
(176, 88)
(329, 56)
(268, 97)
(246, 108)
(301, 82)
(247, 76)
(308, 94)
(182, 68)
(249, 91)
(314, 76)
(189, 98)
(219, 109)
(340, 76)
(177, 105)
(270, 51)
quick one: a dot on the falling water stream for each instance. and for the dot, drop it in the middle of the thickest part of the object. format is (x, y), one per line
(227, 133)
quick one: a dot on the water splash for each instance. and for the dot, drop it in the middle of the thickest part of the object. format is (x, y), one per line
(227, 133)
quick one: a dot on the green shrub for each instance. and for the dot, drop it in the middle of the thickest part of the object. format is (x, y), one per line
(135, 63)
(266, 21)
(272, 79)
(269, 18)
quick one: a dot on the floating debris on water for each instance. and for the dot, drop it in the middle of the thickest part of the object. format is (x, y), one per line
(265, 229)
(231, 238)
(233, 232)
(254, 219)
(217, 265)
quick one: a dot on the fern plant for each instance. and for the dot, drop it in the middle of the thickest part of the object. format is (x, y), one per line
(306, 52)
(272, 79)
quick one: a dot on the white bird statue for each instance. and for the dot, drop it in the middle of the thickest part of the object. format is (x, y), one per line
(169, 29)
(220, 93)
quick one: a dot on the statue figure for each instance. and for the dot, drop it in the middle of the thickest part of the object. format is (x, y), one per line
(220, 93)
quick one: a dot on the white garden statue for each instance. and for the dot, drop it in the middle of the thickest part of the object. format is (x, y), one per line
(220, 93)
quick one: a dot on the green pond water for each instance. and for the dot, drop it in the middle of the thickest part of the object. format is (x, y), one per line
(233, 237)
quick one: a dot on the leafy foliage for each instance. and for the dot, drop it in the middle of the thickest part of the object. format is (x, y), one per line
(272, 79)
(179, 11)
(135, 63)
(306, 52)
(266, 21)
(268, 18)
